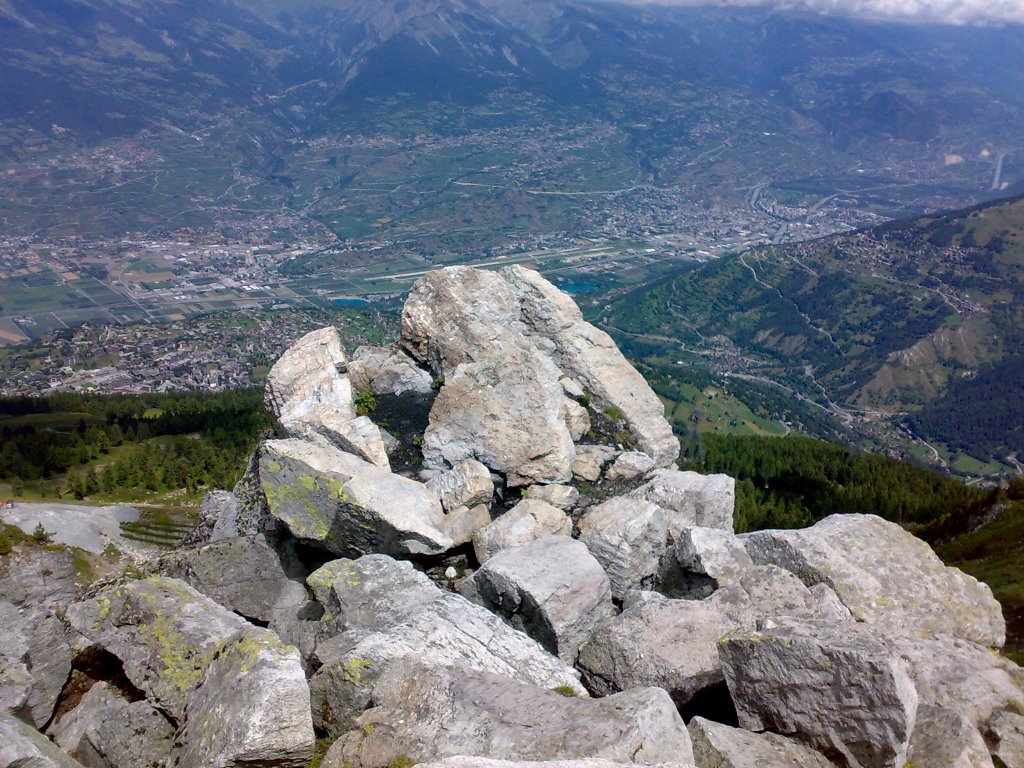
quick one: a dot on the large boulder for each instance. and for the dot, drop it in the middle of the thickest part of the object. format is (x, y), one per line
(628, 537)
(387, 371)
(839, 688)
(552, 589)
(429, 714)
(591, 357)
(721, 746)
(253, 707)
(382, 610)
(886, 577)
(507, 414)
(945, 739)
(105, 730)
(345, 505)
(526, 521)
(35, 662)
(673, 644)
(690, 499)
(24, 747)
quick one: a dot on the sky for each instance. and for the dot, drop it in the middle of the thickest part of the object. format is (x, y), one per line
(943, 11)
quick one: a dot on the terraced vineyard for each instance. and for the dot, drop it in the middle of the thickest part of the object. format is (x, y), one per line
(163, 528)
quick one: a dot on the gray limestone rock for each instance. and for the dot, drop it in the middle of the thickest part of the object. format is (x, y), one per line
(430, 714)
(552, 588)
(35, 662)
(253, 708)
(447, 631)
(359, 436)
(164, 632)
(629, 465)
(577, 419)
(628, 537)
(244, 574)
(590, 460)
(691, 499)
(42, 578)
(945, 739)
(23, 747)
(721, 746)
(465, 492)
(387, 371)
(528, 520)
(107, 731)
(712, 552)
(493, 762)
(563, 497)
(886, 577)
(348, 506)
(217, 519)
(1004, 736)
(840, 689)
(507, 414)
(590, 356)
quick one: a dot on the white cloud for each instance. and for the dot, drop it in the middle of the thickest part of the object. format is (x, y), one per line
(941, 11)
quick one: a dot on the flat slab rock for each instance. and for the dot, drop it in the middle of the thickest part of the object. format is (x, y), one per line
(348, 506)
(552, 589)
(886, 577)
(431, 714)
(785, 678)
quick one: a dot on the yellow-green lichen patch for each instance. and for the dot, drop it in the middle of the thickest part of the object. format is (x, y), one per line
(352, 670)
(273, 466)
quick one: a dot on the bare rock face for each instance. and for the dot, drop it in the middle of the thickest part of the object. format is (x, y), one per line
(552, 589)
(431, 714)
(628, 537)
(108, 731)
(886, 577)
(24, 747)
(39, 579)
(1004, 736)
(345, 505)
(385, 610)
(838, 688)
(722, 746)
(945, 739)
(35, 662)
(528, 520)
(387, 371)
(690, 499)
(507, 414)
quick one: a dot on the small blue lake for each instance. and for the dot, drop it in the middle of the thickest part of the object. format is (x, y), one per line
(350, 302)
(578, 287)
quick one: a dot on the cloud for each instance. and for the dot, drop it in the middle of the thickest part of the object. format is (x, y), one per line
(940, 11)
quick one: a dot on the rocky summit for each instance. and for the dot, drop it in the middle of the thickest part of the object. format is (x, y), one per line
(473, 549)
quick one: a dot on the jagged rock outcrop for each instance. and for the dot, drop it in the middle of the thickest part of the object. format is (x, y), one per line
(721, 746)
(346, 505)
(628, 537)
(35, 662)
(528, 520)
(552, 589)
(433, 713)
(886, 577)
(21, 746)
(840, 689)
(389, 611)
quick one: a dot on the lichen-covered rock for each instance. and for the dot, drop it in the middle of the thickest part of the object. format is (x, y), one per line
(35, 662)
(526, 521)
(507, 414)
(1004, 736)
(721, 746)
(447, 631)
(628, 537)
(23, 747)
(244, 574)
(107, 731)
(563, 497)
(590, 356)
(433, 713)
(348, 506)
(841, 689)
(945, 739)
(252, 708)
(552, 588)
(690, 499)
(886, 577)
(673, 644)
(387, 371)
(164, 632)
